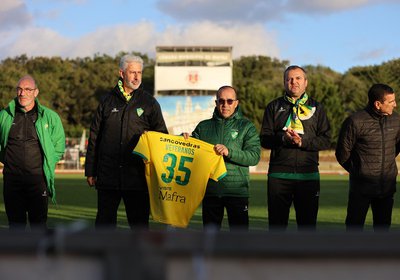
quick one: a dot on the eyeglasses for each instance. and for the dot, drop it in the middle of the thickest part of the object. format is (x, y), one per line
(27, 90)
(228, 101)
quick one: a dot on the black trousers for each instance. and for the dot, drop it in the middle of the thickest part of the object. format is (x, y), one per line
(25, 199)
(358, 206)
(236, 209)
(137, 207)
(304, 194)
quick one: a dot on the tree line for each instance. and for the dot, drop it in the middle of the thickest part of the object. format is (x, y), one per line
(72, 87)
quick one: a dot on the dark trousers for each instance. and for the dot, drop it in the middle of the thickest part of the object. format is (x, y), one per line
(236, 209)
(137, 207)
(25, 199)
(304, 194)
(358, 206)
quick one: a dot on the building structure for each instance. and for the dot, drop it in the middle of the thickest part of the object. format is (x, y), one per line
(186, 79)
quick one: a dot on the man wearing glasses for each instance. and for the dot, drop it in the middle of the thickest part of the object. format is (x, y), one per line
(32, 141)
(237, 139)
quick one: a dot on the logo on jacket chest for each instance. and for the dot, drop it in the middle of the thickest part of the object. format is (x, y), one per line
(234, 133)
(139, 111)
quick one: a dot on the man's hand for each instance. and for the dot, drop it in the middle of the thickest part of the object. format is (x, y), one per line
(91, 181)
(292, 137)
(221, 150)
(185, 135)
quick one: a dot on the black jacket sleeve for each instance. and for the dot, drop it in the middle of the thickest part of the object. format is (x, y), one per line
(95, 129)
(345, 144)
(270, 137)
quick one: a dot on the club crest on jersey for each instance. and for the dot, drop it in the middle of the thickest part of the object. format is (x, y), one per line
(139, 111)
(234, 133)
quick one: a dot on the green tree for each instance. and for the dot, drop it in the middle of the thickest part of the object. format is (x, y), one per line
(73, 87)
(11, 70)
(323, 87)
(258, 80)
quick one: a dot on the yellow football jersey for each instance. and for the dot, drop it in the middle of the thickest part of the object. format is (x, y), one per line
(177, 172)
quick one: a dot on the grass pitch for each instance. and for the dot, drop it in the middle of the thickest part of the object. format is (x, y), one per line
(77, 203)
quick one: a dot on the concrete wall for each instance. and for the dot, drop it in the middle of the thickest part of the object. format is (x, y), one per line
(182, 255)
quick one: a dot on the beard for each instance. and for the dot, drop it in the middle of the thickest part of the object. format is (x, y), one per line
(131, 85)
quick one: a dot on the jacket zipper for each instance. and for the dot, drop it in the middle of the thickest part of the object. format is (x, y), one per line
(121, 139)
(221, 138)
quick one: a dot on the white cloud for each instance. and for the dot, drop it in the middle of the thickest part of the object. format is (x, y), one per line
(245, 39)
(114, 39)
(34, 41)
(222, 10)
(13, 13)
(255, 10)
(142, 37)
(328, 7)
(7, 5)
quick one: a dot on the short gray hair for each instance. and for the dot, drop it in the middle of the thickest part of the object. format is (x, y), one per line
(129, 58)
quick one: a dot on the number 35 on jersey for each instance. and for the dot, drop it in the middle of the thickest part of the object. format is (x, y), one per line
(177, 172)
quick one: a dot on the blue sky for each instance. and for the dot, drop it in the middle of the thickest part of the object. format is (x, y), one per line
(339, 34)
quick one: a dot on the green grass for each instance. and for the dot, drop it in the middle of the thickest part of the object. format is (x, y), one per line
(77, 202)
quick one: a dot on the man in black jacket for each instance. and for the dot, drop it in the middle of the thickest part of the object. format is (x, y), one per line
(295, 127)
(368, 144)
(122, 116)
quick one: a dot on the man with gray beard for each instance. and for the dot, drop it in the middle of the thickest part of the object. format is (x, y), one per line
(122, 116)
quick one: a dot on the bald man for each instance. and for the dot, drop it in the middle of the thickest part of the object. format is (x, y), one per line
(32, 141)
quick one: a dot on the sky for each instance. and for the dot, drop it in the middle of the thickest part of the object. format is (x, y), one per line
(339, 34)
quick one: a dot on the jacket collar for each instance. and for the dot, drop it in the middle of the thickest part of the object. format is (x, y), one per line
(13, 105)
(374, 113)
(121, 95)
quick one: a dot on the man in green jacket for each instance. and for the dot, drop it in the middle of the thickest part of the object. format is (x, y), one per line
(32, 141)
(237, 139)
